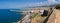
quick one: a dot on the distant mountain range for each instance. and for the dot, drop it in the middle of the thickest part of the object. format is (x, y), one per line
(52, 5)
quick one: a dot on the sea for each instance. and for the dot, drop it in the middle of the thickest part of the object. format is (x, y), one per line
(7, 16)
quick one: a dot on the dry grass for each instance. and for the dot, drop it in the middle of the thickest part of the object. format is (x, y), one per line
(38, 19)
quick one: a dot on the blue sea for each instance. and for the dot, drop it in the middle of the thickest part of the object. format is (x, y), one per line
(6, 16)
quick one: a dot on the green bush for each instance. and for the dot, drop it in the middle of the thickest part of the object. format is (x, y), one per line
(57, 6)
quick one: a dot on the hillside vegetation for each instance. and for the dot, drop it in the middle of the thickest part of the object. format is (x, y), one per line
(37, 18)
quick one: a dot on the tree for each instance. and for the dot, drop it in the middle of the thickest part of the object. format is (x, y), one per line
(57, 6)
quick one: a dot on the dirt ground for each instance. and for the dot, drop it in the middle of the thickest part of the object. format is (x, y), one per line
(55, 17)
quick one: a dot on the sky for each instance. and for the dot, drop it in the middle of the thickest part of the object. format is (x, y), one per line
(11, 4)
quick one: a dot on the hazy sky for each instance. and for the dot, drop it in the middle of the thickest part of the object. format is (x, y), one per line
(5, 4)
